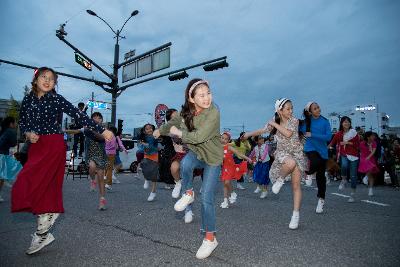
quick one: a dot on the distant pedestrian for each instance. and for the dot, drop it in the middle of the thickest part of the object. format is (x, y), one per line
(9, 166)
(230, 170)
(38, 188)
(368, 164)
(348, 143)
(150, 162)
(243, 147)
(261, 166)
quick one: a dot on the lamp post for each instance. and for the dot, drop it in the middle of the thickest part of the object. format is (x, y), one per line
(114, 82)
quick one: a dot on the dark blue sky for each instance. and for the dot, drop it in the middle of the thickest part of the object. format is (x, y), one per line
(338, 53)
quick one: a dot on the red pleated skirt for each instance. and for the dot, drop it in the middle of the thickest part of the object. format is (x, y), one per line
(38, 187)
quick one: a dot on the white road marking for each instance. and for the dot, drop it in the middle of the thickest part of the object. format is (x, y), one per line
(340, 195)
(376, 203)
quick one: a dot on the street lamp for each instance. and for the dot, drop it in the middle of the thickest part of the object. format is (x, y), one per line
(114, 83)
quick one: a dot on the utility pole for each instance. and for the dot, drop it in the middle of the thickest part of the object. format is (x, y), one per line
(91, 108)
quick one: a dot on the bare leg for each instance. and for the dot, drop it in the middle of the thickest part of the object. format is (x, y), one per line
(100, 181)
(153, 187)
(175, 170)
(296, 177)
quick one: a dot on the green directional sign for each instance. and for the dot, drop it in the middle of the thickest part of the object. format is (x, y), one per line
(83, 62)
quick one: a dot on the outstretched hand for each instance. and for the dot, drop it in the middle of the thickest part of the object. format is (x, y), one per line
(156, 133)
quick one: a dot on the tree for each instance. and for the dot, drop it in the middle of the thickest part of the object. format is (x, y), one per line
(26, 90)
(13, 110)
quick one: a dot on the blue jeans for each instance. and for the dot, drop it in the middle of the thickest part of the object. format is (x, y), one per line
(348, 166)
(210, 181)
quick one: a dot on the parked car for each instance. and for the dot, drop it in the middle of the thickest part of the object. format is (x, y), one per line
(129, 161)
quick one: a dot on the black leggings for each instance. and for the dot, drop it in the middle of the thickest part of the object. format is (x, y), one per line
(318, 166)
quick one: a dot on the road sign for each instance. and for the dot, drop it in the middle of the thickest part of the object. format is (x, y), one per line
(83, 62)
(161, 59)
(129, 72)
(97, 105)
(152, 62)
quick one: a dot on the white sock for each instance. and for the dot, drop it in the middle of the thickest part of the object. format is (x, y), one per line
(296, 213)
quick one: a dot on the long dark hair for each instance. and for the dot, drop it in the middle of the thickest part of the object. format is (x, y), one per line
(237, 141)
(169, 113)
(344, 118)
(188, 108)
(142, 136)
(5, 124)
(39, 72)
(307, 119)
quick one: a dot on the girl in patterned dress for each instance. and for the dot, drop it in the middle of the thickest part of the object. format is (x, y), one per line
(289, 156)
(230, 170)
(97, 160)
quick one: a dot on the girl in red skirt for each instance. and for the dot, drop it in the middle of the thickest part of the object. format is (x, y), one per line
(230, 170)
(38, 188)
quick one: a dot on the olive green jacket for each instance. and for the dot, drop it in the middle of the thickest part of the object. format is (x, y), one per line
(204, 140)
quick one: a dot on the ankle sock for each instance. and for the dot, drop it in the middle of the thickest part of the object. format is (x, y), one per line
(209, 236)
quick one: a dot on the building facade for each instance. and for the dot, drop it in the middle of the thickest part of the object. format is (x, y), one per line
(367, 117)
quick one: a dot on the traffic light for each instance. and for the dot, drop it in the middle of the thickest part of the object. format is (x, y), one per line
(83, 62)
(178, 76)
(216, 65)
(119, 128)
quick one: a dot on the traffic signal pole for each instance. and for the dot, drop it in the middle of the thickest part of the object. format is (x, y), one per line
(112, 87)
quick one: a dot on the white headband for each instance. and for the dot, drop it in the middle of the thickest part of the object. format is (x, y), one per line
(279, 103)
(195, 84)
(308, 105)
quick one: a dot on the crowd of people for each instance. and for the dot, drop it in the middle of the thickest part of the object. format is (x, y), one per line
(187, 145)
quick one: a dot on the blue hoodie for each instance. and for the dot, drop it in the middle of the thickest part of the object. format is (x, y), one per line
(320, 136)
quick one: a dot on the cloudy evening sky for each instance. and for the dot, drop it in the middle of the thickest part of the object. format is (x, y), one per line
(337, 53)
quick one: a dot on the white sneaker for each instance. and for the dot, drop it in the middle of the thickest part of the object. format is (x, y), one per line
(206, 248)
(225, 204)
(370, 192)
(115, 180)
(328, 178)
(177, 189)
(152, 196)
(232, 199)
(320, 206)
(184, 201)
(309, 180)
(351, 199)
(239, 186)
(294, 222)
(108, 187)
(39, 242)
(264, 194)
(365, 180)
(276, 187)
(1, 199)
(258, 190)
(188, 216)
(146, 184)
(45, 222)
(342, 184)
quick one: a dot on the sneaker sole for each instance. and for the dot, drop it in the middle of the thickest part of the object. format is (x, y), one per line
(41, 247)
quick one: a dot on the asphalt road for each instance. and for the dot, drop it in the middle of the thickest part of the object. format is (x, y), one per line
(254, 232)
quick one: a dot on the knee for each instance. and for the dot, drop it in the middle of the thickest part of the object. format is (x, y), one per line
(290, 164)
